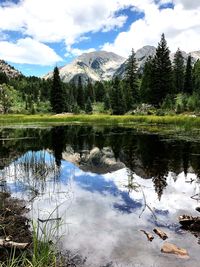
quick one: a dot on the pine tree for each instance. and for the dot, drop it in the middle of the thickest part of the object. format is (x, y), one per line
(146, 85)
(162, 80)
(127, 95)
(106, 101)
(131, 77)
(178, 71)
(99, 91)
(80, 94)
(188, 76)
(88, 106)
(117, 98)
(89, 91)
(196, 77)
(57, 95)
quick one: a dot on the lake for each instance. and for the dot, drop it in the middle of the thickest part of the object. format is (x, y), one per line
(103, 185)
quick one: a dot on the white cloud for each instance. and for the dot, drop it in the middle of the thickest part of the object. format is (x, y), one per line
(188, 4)
(181, 26)
(57, 20)
(28, 51)
(77, 52)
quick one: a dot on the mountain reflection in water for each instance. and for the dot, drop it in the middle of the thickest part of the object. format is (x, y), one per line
(103, 212)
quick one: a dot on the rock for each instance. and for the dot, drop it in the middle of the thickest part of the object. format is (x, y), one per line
(10, 71)
(173, 249)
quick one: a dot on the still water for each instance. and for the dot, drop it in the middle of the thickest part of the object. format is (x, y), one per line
(106, 184)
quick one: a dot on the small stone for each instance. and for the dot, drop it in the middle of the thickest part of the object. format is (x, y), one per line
(173, 249)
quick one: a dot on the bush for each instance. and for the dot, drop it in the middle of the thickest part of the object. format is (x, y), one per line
(98, 107)
(143, 109)
(168, 103)
(193, 103)
(180, 103)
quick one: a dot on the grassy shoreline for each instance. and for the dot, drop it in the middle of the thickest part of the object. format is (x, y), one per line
(177, 120)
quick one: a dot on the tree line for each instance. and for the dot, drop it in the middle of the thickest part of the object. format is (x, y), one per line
(163, 85)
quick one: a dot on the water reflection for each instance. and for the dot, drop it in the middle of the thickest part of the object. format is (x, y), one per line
(102, 211)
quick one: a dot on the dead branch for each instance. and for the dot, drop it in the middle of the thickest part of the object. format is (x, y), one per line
(146, 205)
(50, 219)
(12, 244)
(160, 233)
(196, 197)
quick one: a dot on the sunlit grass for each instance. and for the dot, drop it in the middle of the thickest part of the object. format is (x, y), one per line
(177, 120)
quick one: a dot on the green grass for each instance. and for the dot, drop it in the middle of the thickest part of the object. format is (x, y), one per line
(43, 252)
(178, 120)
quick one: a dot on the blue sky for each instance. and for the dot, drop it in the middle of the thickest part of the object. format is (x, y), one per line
(36, 35)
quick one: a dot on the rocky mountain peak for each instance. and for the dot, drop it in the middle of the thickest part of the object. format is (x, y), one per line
(10, 71)
(96, 66)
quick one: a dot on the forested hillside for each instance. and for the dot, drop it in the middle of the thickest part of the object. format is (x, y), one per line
(163, 86)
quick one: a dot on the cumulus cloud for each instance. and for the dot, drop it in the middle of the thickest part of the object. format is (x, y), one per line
(181, 26)
(57, 20)
(60, 20)
(28, 51)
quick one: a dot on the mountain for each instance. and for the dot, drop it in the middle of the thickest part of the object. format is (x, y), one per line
(10, 71)
(96, 66)
(141, 56)
(102, 65)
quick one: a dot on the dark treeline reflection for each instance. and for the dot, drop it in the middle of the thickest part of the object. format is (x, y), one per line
(149, 156)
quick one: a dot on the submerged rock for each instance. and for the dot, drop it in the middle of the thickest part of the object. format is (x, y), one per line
(173, 249)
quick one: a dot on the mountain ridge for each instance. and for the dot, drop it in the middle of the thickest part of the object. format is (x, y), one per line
(103, 65)
(9, 70)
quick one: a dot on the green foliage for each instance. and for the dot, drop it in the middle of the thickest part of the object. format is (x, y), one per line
(43, 107)
(169, 103)
(8, 98)
(193, 102)
(98, 108)
(180, 103)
